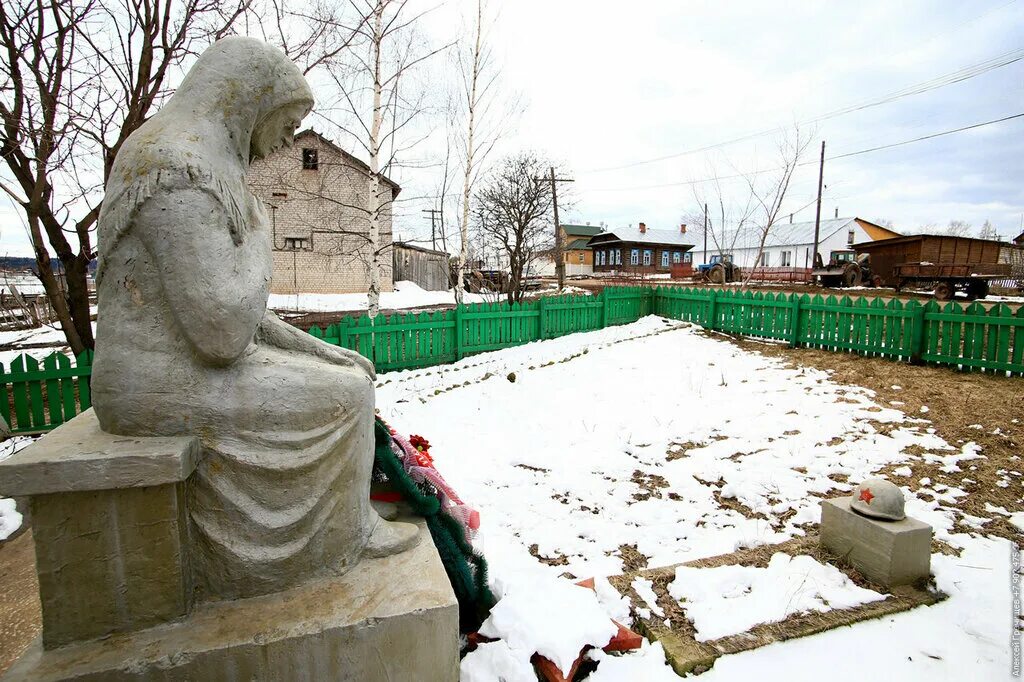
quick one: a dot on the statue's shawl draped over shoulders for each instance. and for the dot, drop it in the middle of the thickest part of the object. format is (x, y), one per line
(200, 139)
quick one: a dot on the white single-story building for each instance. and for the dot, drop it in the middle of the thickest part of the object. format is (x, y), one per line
(789, 244)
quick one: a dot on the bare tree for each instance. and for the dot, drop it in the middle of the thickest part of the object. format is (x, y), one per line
(478, 106)
(513, 212)
(769, 190)
(959, 228)
(77, 78)
(987, 231)
(380, 108)
(728, 218)
(744, 218)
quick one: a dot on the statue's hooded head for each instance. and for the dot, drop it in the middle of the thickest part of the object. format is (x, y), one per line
(242, 100)
(252, 86)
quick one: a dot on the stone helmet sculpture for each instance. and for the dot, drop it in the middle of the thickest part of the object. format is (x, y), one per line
(879, 499)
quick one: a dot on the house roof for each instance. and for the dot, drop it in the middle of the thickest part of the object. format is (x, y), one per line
(355, 161)
(902, 239)
(633, 234)
(421, 249)
(577, 244)
(581, 230)
(791, 234)
(1019, 239)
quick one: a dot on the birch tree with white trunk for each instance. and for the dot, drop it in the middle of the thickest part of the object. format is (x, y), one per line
(378, 107)
(478, 104)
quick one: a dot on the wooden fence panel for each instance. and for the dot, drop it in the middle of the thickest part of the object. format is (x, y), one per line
(35, 399)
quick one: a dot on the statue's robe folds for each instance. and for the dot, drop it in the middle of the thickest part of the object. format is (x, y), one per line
(186, 345)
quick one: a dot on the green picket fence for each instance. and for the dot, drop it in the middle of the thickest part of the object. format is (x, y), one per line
(34, 399)
(966, 337)
(407, 341)
(970, 338)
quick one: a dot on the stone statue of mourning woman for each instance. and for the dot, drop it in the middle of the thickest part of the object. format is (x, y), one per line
(186, 344)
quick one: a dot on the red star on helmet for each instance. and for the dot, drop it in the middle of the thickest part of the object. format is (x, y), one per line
(866, 496)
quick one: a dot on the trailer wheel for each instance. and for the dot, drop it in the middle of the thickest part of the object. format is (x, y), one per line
(943, 291)
(977, 288)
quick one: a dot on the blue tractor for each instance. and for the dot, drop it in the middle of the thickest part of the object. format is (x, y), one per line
(720, 270)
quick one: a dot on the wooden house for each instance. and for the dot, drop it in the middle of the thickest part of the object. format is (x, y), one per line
(640, 250)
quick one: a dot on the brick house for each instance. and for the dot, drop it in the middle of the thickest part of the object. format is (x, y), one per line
(313, 191)
(640, 250)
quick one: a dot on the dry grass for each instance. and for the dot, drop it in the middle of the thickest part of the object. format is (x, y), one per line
(686, 654)
(957, 402)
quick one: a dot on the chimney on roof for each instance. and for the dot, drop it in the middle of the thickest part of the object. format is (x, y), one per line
(837, 211)
(682, 228)
(790, 218)
(643, 228)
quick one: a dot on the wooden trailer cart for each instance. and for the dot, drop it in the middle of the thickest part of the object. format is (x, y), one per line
(945, 263)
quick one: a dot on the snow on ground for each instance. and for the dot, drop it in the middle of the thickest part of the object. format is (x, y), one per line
(657, 436)
(728, 600)
(966, 637)
(10, 519)
(405, 295)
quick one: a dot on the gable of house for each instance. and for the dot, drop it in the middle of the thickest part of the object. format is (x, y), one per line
(313, 192)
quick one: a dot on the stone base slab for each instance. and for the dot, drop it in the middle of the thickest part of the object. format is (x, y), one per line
(678, 638)
(394, 618)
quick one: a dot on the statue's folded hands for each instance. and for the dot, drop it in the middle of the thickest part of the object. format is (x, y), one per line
(276, 332)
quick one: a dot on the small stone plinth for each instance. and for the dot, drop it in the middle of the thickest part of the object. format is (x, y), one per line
(110, 527)
(388, 619)
(886, 552)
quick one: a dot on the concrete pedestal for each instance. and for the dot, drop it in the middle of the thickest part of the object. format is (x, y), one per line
(387, 619)
(112, 536)
(110, 527)
(886, 552)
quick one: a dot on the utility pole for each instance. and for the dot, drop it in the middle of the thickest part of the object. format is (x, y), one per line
(433, 229)
(705, 233)
(559, 258)
(817, 214)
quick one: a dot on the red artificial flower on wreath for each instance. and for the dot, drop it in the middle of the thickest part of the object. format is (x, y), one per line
(422, 446)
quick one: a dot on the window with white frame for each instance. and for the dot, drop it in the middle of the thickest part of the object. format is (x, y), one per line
(664, 259)
(647, 256)
(687, 257)
(618, 256)
(786, 259)
(677, 256)
(763, 261)
(850, 237)
(634, 257)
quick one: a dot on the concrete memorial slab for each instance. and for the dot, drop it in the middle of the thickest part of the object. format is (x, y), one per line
(887, 552)
(210, 518)
(677, 635)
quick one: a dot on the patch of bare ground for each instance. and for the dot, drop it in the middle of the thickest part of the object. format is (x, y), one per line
(681, 450)
(650, 485)
(962, 407)
(632, 558)
(558, 559)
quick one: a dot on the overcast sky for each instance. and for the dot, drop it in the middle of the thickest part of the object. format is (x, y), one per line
(612, 85)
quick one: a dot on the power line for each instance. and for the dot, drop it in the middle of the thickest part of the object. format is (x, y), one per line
(960, 75)
(806, 163)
